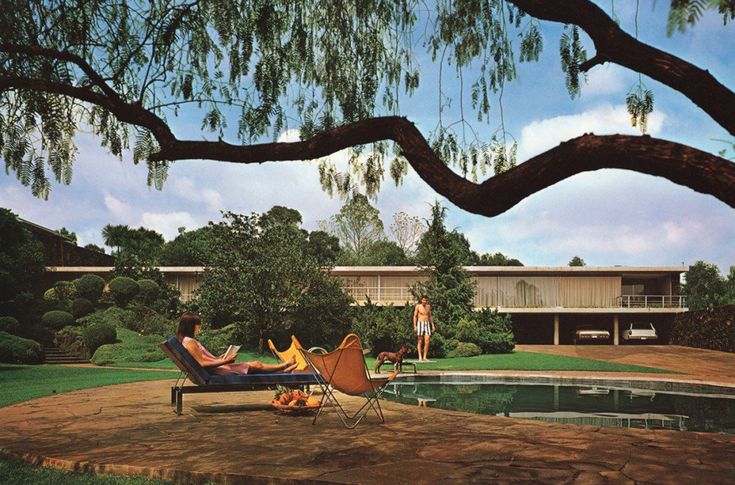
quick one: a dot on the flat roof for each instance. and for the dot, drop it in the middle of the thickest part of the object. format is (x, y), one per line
(410, 270)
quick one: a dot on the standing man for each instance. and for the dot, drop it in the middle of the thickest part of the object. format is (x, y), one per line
(423, 326)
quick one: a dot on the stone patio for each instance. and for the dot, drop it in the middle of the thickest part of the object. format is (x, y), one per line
(237, 439)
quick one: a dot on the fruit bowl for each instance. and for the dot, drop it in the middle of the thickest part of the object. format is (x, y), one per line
(285, 408)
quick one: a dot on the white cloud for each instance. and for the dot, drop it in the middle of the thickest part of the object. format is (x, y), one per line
(185, 188)
(541, 135)
(121, 210)
(604, 79)
(167, 223)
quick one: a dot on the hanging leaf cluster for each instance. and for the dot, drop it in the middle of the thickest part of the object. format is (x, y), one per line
(639, 101)
(572, 55)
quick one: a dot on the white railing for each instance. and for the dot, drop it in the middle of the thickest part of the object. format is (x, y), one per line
(652, 301)
(382, 294)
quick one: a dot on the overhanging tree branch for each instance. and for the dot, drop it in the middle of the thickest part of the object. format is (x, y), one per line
(614, 45)
(681, 164)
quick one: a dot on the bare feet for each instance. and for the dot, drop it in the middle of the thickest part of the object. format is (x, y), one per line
(291, 367)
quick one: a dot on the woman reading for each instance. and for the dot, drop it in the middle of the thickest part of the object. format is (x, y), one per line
(189, 326)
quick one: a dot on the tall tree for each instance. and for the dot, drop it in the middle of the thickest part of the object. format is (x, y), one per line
(68, 234)
(357, 225)
(142, 244)
(705, 287)
(340, 65)
(497, 259)
(577, 261)
(449, 287)
(407, 231)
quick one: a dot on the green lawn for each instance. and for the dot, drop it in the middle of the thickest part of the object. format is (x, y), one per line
(14, 472)
(532, 361)
(23, 382)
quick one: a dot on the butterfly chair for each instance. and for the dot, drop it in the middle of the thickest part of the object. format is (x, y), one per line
(345, 370)
(291, 352)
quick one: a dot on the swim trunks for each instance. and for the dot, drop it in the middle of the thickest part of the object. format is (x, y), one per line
(423, 328)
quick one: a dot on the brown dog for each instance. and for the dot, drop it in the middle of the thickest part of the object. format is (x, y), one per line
(393, 357)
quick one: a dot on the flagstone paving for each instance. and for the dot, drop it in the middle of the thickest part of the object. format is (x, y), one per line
(236, 438)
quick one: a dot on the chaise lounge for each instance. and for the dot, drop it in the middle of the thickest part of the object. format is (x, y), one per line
(206, 382)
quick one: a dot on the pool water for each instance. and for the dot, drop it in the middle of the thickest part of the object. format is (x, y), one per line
(598, 405)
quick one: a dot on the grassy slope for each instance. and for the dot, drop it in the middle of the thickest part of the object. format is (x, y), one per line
(24, 382)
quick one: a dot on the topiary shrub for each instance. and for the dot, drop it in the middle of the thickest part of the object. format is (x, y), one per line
(18, 350)
(497, 343)
(90, 286)
(57, 319)
(9, 325)
(149, 291)
(81, 307)
(123, 290)
(99, 334)
(465, 349)
(65, 290)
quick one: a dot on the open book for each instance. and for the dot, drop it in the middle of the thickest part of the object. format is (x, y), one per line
(231, 350)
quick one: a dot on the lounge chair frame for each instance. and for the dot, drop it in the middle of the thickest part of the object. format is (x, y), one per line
(202, 384)
(329, 385)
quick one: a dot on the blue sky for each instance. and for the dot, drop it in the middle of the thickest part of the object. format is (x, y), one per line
(607, 217)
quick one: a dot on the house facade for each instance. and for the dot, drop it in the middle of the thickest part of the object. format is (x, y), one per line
(547, 303)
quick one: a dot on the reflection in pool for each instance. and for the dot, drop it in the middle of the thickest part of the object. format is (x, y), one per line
(599, 406)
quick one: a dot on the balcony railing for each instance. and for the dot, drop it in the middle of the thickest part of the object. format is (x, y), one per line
(382, 294)
(652, 301)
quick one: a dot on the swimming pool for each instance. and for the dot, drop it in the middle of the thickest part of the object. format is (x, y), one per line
(650, 405)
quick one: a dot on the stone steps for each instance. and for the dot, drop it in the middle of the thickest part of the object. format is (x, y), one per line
(54, 355)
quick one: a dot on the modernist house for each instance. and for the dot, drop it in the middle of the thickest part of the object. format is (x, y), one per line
(546, 303)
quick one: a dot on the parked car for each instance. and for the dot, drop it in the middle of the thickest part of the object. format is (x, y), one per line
(639, 331)
(588, 333)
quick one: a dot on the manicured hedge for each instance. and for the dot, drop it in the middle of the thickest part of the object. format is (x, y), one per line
(99, 334)
(18, 350)
(90, 286)
(81, 307)
(123, 290)
(710, 328)
(57, 319)
(149, 291)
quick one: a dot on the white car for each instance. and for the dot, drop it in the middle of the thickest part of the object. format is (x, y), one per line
(640, 332)
(590, 334)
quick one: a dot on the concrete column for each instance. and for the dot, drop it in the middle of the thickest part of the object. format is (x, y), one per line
(556, 329)
(616, 330)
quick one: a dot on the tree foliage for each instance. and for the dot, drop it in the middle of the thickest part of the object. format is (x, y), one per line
(337, 72)
(357, 226)
(22, 260)
(705, 287)
(576, 261)
(449, 288)
(263, 278)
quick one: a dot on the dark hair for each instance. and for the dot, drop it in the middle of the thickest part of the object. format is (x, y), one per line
(187, 322)
(424, 296)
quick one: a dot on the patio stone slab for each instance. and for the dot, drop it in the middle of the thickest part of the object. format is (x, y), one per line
(236, 438)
